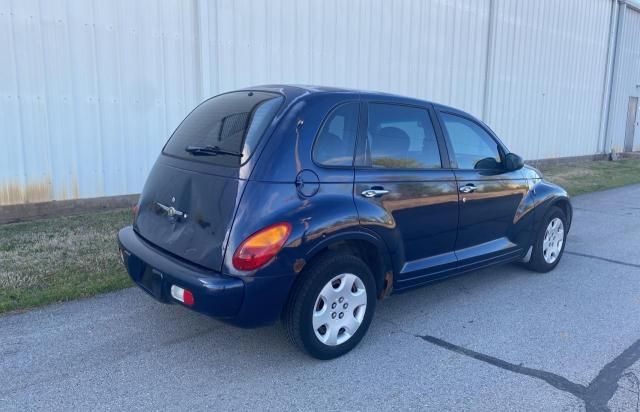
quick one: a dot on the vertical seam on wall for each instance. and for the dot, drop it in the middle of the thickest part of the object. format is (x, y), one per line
(46, 107)
(74, 189)
(608, 78)
(622, 11)
(488, 70)
(18, 101)
(96, 84)
(199, 48)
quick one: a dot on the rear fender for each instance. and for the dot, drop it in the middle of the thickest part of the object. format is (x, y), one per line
(381, 267)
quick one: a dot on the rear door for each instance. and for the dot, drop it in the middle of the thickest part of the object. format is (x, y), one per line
(404, 189)
(189, 199)
(489, 227)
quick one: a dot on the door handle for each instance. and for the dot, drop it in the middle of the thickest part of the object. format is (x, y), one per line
(468, 188)
(374, 192)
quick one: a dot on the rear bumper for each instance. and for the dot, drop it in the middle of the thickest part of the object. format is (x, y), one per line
(245, 302)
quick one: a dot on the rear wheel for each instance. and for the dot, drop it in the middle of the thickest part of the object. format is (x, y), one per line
(332, 306)
(550, 241)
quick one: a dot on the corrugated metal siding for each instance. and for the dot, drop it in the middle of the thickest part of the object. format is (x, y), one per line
(549, 77)
(90, 90)
(434, 50)
(626, 80)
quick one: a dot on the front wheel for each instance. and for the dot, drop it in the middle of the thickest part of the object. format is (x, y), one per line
(550, 241)
(331, 306)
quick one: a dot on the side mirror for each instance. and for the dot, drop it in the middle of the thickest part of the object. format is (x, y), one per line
(513, 162)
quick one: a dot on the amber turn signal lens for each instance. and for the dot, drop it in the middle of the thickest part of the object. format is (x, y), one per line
(258, 249)
(134, 212)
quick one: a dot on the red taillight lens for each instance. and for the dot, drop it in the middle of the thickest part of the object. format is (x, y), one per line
(258, 249)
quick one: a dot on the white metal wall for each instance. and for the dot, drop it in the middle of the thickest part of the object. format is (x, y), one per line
(548, 76)
(431, 49)
(626, 80)
(90, 89)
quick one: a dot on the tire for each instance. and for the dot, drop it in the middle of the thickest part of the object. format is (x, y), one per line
(544, 261)
(321, 297)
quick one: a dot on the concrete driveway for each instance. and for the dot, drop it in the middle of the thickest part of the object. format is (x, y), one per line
(499, 339)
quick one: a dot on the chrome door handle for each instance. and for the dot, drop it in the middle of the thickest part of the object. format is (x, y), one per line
(369, 193)
(468, 189)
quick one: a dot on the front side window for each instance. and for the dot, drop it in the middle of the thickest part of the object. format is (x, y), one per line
(473, 147)
(225, 129)
(401, 137)
(336, 140)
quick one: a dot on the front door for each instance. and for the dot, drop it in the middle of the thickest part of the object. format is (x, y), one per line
(632, 121)
(405, 191)
(489, 228)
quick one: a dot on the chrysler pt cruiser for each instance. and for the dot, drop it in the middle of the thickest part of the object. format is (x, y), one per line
(309, 204)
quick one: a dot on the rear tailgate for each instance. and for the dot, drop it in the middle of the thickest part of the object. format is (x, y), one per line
(188, 213)
(190, 197)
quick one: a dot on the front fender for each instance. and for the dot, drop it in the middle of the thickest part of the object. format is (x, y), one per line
(547, 195)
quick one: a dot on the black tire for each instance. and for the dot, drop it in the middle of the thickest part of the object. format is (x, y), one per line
(537, 261)
(298, 315)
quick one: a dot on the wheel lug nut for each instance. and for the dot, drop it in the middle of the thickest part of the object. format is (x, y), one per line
(341, 315)
(341, 299)
(346, 305)
(333, 315)
(333, 306)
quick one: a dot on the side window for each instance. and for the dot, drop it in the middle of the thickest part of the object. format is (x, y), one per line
(335, 143)
(473, 147)
(401, 137)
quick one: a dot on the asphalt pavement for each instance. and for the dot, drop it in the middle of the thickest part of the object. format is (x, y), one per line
(499, 339)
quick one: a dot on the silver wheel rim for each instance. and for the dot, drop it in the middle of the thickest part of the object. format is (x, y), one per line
(339, 309)
(553, 240)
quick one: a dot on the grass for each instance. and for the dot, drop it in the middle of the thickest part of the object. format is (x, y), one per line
(585, 177)
(66, 258)
(60, 259)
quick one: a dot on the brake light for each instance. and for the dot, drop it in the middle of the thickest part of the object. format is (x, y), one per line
(258, 249)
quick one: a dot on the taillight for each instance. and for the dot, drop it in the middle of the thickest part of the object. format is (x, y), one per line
(258, 249)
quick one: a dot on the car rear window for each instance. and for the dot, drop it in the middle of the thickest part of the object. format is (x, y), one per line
(232, 122)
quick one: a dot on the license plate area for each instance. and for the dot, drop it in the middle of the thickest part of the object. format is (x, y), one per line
(151, 281)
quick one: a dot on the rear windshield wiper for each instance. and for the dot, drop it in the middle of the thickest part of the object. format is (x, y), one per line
(210, 151)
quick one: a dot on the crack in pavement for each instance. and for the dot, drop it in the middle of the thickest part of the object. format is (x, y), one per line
(618, 262)
(595, 396)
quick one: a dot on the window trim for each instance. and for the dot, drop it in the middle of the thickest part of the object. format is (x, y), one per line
(321, 128)
(502, 149)
(264, 136)
(443, 151)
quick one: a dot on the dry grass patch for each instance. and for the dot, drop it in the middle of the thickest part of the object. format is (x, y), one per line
(59, 259)
(585, 177)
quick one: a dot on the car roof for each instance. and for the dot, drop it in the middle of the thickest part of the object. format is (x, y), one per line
(293, 91)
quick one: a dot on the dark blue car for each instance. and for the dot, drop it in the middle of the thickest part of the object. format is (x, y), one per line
(308, 204)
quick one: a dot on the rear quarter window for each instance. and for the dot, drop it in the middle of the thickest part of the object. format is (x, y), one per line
(232, 122)
(335, 143)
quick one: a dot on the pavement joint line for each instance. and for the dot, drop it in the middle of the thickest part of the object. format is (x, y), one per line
(618, 262)
(602, 212)
(595, 396)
